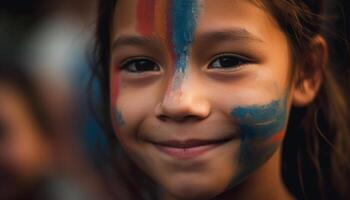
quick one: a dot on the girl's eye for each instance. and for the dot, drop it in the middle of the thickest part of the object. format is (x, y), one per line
(228, 61)
(140, 65)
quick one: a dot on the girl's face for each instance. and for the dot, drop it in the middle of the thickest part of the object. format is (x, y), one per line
(200, 91)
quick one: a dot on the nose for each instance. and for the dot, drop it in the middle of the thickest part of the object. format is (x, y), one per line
(185, 103)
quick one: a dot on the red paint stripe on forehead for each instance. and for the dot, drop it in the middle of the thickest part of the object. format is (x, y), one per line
(145, 16)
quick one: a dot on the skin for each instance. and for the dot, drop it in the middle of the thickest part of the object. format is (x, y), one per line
(25, 155)
(187, 94)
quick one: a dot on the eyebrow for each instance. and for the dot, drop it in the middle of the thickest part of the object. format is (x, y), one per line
(132, 40)
(235, 34)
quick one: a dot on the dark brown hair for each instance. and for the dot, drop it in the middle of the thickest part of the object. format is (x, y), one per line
(316, 149)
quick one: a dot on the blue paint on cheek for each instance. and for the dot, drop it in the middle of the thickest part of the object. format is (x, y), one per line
(257, 124)
(261, 121)
(184, 16)
(119, 119)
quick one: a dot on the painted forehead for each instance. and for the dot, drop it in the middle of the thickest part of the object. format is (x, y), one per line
(166, 17)
(173, 20)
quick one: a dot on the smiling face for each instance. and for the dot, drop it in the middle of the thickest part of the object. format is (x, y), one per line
(199, 91)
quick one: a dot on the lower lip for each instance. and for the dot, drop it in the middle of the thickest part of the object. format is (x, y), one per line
(186, 153)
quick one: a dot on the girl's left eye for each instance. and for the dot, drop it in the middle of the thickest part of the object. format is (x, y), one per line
(228, 61)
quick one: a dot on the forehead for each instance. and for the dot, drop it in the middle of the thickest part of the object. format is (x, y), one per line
(209, 14)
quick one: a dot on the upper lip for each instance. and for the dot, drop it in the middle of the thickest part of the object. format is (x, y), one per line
(191, 143)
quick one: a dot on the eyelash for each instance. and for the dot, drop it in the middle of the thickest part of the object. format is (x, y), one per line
(237, 60)
(134, 61)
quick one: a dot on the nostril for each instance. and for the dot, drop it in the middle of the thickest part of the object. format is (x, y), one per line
(191, 118)
(163, 118)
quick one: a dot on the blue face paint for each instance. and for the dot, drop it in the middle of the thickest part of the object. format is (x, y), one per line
(260, 121)
(262, 129)
(184, 22)
(119, 119)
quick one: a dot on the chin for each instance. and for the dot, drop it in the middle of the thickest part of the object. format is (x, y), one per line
(193, 190)
(194, 193)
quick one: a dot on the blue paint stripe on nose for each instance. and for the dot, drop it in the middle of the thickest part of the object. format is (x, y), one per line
(184, 16)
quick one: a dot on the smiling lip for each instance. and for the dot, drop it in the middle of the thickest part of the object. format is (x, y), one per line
(188, 149)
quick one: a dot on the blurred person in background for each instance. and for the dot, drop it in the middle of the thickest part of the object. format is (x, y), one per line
(58, 54)
(51, 39)
(29, 160)
(57, 49)
(25, 149)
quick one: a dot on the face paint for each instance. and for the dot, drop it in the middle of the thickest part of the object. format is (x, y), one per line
(260, 121)
(184, 15)
(145, 17)
(116, 115)
(119, 119)
(262, 128)
(178, 28)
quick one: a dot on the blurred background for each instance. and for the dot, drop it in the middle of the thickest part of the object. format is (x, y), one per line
(48, 138)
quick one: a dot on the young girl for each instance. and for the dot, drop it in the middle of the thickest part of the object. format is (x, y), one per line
(221, 100)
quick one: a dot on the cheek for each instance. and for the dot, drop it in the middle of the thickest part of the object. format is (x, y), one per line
(253, 88)
(262, 129)
(116, 115)
(114, 86)
(258, 107)
(261, 121)
(131, 104)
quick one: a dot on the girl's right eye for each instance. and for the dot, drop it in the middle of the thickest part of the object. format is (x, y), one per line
(140, 65)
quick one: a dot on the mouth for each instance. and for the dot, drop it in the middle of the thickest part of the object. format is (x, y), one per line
(189, 149)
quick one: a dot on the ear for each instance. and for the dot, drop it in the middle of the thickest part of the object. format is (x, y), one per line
(309, 77)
